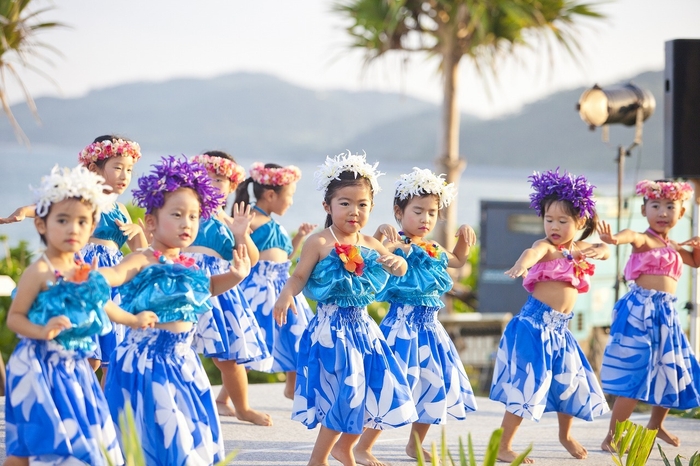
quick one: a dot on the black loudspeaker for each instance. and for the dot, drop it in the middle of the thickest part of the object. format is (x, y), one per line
(682, 109)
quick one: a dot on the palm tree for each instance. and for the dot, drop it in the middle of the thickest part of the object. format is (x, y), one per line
(481, 30)
(18, 29)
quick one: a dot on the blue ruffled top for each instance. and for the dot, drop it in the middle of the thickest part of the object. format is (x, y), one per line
(424, 283)
(107, 228)
(214, 234)
(83, 303)
(271, 235)
(331, 283)
(174, 292)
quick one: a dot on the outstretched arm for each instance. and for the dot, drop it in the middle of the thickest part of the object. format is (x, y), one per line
(135, 235)
(691, 258)
(528, 258)
(143, 319)
(395, 265)
(307, 261)
(239, 225)
(124, 271)
(466, 238)
(19, 214)
(240, 268)
(626, 236)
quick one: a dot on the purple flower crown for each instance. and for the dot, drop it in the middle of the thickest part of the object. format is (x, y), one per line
(564, 187)
(172, 174)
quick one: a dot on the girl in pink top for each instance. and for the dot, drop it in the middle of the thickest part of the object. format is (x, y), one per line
(648, 357)
(540, 366)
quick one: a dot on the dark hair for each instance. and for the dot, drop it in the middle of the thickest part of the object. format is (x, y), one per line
(591, 222)
(242, 194)
(48, 212)
(107, 137)
(223, 155)
(403, 203)
(345, 179)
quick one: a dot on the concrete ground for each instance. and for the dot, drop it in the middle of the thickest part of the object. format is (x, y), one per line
(289, 443)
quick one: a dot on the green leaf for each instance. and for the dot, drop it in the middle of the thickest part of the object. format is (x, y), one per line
(491, 454)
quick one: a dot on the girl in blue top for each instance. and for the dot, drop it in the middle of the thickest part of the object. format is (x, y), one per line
(273, 187)
(427, 356)
(347, 376)
(156, 370)
(55, 410)
(228, 333)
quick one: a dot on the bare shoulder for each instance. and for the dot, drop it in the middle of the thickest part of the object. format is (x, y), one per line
(371, 242)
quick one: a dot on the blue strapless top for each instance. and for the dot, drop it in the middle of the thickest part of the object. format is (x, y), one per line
(425, 281)
(331, 283)
(214, 234)
(272, 235)
(174, 292)
(107, 228)
(83, 303)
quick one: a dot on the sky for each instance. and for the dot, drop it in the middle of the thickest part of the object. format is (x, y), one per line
(305, 42)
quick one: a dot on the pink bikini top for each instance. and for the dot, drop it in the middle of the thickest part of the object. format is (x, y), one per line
(658, 261)
(557, 270)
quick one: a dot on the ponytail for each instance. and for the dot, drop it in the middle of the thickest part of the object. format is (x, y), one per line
(589, 227)
(329, 220)
(242, 192)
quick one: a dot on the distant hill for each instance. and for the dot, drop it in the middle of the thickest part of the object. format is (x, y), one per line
(266, 118)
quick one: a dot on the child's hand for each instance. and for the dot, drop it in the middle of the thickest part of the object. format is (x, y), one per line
(240, 264)
(242, 216)
(466, 232)
(692, 242)
(305, 228)
(595, 251)
(129, 229)
(516, 271)
(281, 308)
(146, 231)
(145, 319)
(16, 216)
(54, 326)
(391, 261)
(605, 233)
(389, 232)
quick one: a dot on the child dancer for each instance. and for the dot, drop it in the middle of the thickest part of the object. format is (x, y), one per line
(55, 410)
(235, 337)
(347, 377)
(427, 356)
(156, 370)
(648, 357)
(540, 366)
(273, 187)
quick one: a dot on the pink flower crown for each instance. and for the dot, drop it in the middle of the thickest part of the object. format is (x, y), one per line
(109, 148)
(274, 176)
(672, 190)
(222, 166)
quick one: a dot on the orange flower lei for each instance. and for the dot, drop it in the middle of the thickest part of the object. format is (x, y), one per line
(351, 257)
(433, 249)
(581, 267)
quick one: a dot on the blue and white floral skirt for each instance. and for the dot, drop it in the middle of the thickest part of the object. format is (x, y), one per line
(347, 376)
(432, 365)
(261, 288)
(162, 378)
(648, 357)
(55, 410)
(229, 331)
(106, 257)
(540, 367)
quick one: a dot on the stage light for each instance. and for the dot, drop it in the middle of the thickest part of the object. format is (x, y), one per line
(598, 106)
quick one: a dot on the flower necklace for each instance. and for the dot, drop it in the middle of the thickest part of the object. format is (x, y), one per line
(350, 255)
(180, 259)
(79, 275)
(433, 249)
(581, 267)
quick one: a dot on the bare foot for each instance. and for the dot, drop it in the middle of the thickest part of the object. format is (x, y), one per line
(345, 457)
(576, 449)
(508, 456)
(413, 453)
(606, 446)
(224, 409)
(256, 417)
(366, 458)
(668, 437)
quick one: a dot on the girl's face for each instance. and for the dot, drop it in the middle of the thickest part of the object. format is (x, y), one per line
(175, 225)
(662, 214)
(222, 183)
(68, 226)
(559, 226)
(282, 200)
(350, 207)
(117, 173)
(419, 216)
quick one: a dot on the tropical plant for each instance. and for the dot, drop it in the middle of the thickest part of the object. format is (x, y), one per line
(632, 440)
(18, 29)
(481, 30)
(468, 458)
(694, 460)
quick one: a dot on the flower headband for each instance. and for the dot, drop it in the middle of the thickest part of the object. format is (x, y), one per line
(355, 163)
(172, 174)
(565, 187)
(66, 183)
(420, 182)
(274, 176)
(672, 190)
(109, 148)
(221, 166)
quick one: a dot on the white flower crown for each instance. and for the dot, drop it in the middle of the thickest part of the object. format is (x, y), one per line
(420, 182)
(66, 183)
(356, 163)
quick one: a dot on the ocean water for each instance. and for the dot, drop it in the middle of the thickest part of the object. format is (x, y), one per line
(22, 167)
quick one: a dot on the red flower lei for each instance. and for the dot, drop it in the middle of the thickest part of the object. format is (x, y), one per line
(181, 259)
(581, 267)
(351, 257)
